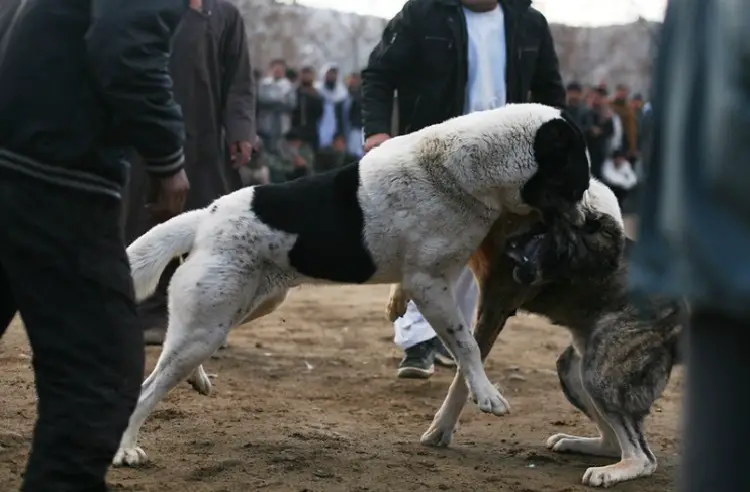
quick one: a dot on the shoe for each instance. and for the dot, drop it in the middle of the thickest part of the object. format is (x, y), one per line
(418, 361)
(442, 356)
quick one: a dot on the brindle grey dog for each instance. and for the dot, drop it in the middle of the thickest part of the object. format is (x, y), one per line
(620, 358)
(621, 355)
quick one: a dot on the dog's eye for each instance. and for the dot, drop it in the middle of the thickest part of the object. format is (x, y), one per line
(592, 226)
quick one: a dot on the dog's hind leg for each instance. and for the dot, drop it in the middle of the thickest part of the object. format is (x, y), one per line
(623, 389)
(204, 303)
(199, 379)
(569, 372)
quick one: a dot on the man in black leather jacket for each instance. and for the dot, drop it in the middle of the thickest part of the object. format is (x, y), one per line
(80, 82)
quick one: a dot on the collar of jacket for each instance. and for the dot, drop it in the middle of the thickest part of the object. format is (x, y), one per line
(513, 5)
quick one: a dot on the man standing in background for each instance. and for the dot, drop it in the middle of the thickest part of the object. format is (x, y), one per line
(446, 58)
(620, 105)
(600, 131)
(576, 107)
(353, 116)
(277, 99)
(80, 82)
(213, 83)
(309, 109)
(334, 94)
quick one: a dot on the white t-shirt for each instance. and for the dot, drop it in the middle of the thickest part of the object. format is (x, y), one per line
(485, 87)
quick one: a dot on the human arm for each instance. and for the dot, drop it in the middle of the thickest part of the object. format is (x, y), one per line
(128, 45)
(290, 99)
(239, 107)
(546, 84)
(391, 58)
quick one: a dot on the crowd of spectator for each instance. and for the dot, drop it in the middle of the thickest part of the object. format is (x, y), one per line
(616, 128)
(308, 121)
(311, 121)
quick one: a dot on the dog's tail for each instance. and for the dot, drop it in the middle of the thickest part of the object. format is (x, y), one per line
(150, 254)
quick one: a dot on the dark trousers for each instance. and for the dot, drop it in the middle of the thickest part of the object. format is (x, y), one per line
(717, 413)
(63, 267)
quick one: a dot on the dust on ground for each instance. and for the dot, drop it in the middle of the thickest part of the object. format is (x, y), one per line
(306, 399)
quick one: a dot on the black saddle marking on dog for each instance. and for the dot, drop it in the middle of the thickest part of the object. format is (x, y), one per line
(324, 212)
(563, 167)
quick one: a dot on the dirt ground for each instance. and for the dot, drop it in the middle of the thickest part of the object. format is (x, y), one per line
(306, 399)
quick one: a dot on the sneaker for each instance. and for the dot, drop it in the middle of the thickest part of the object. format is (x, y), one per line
(418, 361)
(442, 356)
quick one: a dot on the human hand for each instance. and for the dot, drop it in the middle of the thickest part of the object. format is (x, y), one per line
(240, 153)
(171, 194)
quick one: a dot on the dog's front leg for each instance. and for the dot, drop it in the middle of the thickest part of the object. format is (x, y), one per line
(434, 298)
(499, 299)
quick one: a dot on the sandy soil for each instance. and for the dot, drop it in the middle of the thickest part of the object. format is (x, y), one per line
(306, 399)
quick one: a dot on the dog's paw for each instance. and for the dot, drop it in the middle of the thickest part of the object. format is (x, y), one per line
(595, 446)
(437, 436)
(489, 400)
(397, 302)
(200, 382)
(130, 457)
(607, 476)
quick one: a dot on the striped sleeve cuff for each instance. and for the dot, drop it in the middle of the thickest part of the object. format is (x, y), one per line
(167, 165)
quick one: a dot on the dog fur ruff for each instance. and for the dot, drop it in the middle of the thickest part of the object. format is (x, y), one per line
(620, 358)
(411, 211)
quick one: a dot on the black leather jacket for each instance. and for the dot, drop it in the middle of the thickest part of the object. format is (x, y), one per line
(81, 81)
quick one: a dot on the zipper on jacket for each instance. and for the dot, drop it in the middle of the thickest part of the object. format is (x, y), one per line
(463, 41)
(512, 64)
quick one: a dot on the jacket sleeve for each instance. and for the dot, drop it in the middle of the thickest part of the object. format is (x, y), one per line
(239, 108)
(128, 46)
(546, 84)
(393, 56)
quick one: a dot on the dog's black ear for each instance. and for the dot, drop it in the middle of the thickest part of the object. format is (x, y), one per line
(552, 140)
(563, 175)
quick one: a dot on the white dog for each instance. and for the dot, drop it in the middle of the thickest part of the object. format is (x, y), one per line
(412, 212)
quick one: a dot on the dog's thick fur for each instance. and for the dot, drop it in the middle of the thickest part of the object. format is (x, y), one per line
(621, 356)
(412, 211)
